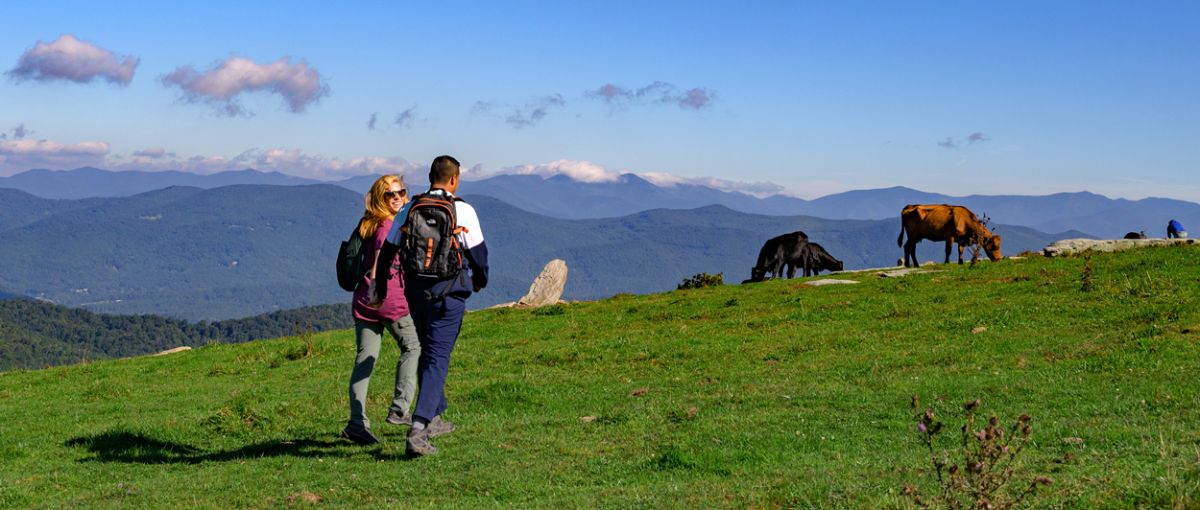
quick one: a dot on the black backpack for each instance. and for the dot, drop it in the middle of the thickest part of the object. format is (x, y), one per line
(430, 249)
(350, 266)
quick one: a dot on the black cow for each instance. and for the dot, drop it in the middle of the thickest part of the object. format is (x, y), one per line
(776, 253)
(816, 259)
(1136, 235)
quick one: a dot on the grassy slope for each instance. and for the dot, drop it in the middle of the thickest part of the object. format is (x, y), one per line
(800, 398)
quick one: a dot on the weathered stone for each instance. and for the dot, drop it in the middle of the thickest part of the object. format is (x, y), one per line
(829, 281)
(172, 351)
(548, 287)
(902, 272)
(1075, 246)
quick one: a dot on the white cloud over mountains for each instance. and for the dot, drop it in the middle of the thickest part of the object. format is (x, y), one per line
(24, 154)
(71, 59)
(586, 171)
(297, 83)
(288, 161)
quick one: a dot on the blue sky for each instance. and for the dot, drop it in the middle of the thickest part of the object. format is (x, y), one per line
(803, 98)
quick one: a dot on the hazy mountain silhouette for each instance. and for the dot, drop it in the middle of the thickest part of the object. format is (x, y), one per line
(560, 196)
(243, 250)
(93, 182)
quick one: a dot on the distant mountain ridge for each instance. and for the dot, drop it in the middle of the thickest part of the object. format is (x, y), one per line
(243, 250)
(560, 196)
(89, 182)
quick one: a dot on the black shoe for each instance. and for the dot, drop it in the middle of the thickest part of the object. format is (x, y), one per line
(418, 443)
(396, 418)
(439, 427)
(359, 435)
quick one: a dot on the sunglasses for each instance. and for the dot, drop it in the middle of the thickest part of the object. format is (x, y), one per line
(393, 194)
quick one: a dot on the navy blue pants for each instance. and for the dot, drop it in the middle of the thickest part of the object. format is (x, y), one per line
(438, 322)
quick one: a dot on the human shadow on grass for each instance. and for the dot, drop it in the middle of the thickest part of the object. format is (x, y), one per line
(140, 448)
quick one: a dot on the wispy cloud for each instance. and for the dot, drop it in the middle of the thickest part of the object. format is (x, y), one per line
(521, 116)
(405, 119)
(18, 132)
(153, 153)
(71, 59)
(615, 96)
(297, 83)
(953, 143)
(25, 154)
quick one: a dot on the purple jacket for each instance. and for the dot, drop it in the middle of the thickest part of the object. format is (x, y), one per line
(394, 305)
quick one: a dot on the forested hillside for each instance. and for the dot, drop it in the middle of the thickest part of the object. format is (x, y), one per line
(238, 251)
(35, 334)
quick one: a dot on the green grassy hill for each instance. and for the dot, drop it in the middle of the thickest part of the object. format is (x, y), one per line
(768, 395)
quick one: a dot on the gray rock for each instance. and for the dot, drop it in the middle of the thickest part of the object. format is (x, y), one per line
(829, 281)
(1075, 246)
(547, 288)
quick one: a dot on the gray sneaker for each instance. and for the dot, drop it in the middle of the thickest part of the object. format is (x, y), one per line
(396, 418)
(439, 427)
(418, 443)
(359, 434)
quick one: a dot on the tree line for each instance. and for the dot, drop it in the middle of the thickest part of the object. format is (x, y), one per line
(36, 334)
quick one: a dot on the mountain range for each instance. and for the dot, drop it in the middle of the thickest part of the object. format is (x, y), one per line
(562, 197)
(237, 251)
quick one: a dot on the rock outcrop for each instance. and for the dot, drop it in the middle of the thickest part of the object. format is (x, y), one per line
(1076, 246)
(548, 287)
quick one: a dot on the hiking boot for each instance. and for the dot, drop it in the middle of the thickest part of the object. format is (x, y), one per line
(359, 435)
(418, 443)
(397, 418)
(439, 427)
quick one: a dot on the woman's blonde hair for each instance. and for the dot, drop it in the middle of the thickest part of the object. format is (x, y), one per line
(378, 209)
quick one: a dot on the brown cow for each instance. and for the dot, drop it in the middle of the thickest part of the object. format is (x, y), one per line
(950, 223)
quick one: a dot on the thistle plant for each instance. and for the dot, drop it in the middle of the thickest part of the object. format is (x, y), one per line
(979, 477)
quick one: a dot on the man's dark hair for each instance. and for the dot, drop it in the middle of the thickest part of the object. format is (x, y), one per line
(443, 169)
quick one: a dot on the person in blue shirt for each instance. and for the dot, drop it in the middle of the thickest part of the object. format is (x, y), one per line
(1175, 230)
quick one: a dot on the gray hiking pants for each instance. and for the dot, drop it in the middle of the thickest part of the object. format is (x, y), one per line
(370, 336)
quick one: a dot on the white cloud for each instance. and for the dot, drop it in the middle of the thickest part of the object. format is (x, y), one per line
(25, 154)
(283, 160)
(297, 83)
(582, 171)
(759, 189)
(586, 171)
(70, 59)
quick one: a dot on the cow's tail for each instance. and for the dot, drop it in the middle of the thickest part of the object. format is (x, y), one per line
(900, 240)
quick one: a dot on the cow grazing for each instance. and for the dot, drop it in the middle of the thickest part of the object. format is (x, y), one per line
(816, 259)
(950, 223)
(776, 253)
(1136, 235)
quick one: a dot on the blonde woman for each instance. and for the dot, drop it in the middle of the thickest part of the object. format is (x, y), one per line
(385, 200)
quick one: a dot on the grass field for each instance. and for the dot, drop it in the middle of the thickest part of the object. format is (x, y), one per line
(770, 395)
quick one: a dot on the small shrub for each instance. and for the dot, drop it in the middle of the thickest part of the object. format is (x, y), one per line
(701, 280)
(989, 456)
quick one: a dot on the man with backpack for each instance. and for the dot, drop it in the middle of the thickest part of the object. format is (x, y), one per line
(444, 259)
